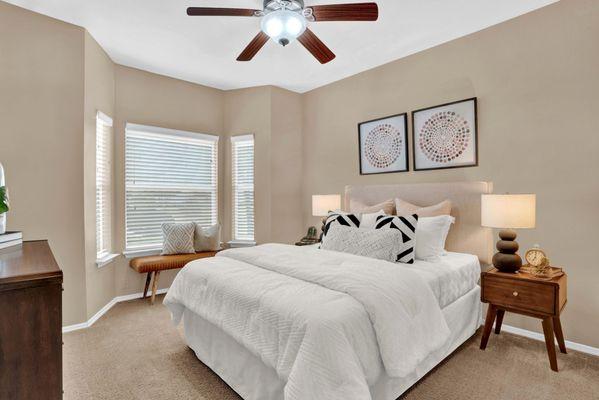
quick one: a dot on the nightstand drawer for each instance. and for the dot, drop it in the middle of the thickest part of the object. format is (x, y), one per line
(520, 295)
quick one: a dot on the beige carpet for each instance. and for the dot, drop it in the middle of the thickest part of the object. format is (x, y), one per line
(134, 352)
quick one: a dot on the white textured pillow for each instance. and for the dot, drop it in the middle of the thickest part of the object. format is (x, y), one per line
(207, 239)
(368, 221)
(177, 238)
(382, 244)
(431, 234)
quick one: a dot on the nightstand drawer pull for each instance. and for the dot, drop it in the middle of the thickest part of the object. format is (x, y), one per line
(515, 294)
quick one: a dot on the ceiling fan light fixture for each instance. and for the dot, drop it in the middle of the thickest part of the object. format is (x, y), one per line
(283, 26)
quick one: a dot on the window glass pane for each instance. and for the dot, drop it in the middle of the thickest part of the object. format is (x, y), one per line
(103, 185)
(169, 178)
(243, 187)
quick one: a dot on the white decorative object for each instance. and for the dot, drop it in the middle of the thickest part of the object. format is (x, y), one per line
(2, 215)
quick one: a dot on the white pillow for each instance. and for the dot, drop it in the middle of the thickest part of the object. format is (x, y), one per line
(368, 220)
(207, 239)
(383, 244)
(431, 234)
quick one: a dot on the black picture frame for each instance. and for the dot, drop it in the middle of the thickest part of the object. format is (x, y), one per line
(476, 145)
(406, 167)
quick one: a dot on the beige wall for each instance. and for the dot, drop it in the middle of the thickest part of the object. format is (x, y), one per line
(247, 111)
(150, 99)
(99, 96)
(286, 167)
(41, 139)
(268, 113)
(536, 79)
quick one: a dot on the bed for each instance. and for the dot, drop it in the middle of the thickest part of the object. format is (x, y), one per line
(282, 322)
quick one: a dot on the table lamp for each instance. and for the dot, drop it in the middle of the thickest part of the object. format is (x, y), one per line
(508, 212)
(323, 203)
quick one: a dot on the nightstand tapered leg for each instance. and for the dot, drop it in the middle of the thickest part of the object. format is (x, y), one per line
(559, 334)
(550, 342)
(491, 313)
(499, 321)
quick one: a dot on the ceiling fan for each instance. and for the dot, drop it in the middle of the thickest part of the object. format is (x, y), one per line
(286, 20)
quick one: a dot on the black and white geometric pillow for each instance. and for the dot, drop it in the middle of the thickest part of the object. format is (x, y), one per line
(351, 220)
(407, 226)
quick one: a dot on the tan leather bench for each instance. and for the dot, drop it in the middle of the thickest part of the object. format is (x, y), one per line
(152, 265)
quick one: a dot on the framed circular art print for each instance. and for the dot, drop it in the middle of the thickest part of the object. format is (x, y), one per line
(383, 145)
(445, 136)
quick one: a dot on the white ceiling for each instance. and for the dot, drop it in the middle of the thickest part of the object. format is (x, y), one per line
(158, 36)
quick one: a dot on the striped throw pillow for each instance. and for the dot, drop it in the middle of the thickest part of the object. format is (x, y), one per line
(407, 226)
(351, 220)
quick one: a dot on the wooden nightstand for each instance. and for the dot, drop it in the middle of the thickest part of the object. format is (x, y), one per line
(522, 293)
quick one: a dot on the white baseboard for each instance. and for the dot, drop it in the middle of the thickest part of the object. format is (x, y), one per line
(583, 348)
(104, 310)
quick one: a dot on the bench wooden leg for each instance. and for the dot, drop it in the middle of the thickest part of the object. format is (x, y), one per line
(155, 286)
(148, 279)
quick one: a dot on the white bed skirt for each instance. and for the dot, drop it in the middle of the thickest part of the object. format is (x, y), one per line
(253, 380)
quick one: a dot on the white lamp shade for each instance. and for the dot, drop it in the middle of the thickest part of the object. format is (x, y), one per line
(515, 211)
(323, 203)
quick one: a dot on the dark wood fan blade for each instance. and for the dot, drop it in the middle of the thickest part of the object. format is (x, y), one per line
(228, 12)
(254, 47)
(315, 46)
(346, 12)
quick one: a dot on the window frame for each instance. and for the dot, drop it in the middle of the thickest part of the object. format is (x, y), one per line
(104, 238)
(185, 136)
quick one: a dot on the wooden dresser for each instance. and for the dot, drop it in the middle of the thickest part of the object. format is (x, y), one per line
(30, 323)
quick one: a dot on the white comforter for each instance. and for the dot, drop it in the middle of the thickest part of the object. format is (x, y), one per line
(323, 320)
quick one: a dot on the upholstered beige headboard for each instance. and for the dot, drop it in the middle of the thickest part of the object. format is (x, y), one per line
(465, 236)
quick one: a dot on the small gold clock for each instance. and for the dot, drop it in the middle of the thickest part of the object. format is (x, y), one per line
(537, 258)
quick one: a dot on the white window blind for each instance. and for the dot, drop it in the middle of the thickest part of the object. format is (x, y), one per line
(242, 149)
(103, 185)
(170, 176)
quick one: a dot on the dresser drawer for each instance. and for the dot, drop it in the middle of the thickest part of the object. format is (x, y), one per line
(520, 295)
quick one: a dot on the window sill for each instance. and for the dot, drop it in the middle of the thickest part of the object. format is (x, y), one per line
(107, 259)
(241, 243)
(141, 253)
